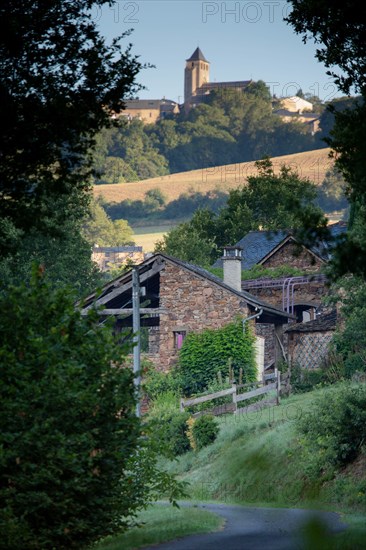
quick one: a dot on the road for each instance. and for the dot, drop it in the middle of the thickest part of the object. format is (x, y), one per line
(255, 529)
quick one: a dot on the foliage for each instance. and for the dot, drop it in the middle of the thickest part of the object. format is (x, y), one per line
(204, 431)
(268, 201)
(101, 230)
(332, 192)
(74, 466)
(60, 81)
(261, 272)
(204, 354)
(341, 32)
(335, 429)
(66, 260)
(189, 241)
(67, 413)
(230, 126)
(156, 383)
(350, 340)
(303, 380)
(170, 427)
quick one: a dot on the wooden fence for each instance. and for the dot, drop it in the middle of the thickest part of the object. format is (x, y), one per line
(273, 382)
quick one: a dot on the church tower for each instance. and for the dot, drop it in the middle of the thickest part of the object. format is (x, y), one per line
(196, 73)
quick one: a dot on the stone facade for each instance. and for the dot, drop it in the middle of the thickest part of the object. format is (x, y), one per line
(305, 293)
(191, 304)
(288, 254)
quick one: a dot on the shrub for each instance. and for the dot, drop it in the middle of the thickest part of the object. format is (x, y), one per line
(171, 431)
(157, 383)
(204, 431)
(203, 355)
(335, 430)
(303, 380)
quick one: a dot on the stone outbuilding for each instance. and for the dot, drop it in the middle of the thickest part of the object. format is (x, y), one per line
(308, 343)
(179, 298)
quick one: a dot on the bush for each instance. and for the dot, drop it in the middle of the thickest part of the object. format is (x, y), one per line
(335, 430)
(204, 355)
(157, 383)
(67, 422)
(204, 431)
(303, 380)
(175, 433)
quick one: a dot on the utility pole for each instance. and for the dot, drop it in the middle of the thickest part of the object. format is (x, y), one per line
(136, 334)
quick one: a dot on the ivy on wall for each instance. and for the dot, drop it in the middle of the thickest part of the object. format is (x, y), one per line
(205, 354)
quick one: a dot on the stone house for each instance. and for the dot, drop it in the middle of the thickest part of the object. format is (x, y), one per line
(300, 295)
(178, 298)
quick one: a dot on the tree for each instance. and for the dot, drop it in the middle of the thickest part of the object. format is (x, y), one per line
(59, 83)
(67, 422)
(191, 241)
(101, 230)
(74, 466)
(268, 201)
(341, 30)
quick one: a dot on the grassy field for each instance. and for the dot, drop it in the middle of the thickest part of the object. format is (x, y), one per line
(311, 164)
(147, 236)
(163, 523)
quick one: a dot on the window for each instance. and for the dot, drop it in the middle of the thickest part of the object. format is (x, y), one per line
(179, 336)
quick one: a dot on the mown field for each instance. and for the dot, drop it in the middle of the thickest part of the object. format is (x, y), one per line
(311, 164)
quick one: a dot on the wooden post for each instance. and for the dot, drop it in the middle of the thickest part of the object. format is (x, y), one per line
(278, 377)
(234, 399)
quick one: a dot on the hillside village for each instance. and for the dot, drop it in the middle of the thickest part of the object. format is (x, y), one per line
(205, 388)
(197, 88)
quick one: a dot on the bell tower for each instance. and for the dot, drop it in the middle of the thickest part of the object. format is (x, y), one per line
(196, 73)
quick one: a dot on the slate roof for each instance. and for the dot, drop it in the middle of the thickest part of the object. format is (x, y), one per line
(197, 55)
(249, 298)
(322, 324)
(257, 245)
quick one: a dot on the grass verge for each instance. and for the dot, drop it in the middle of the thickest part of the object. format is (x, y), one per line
(161, 523)
(257, 459)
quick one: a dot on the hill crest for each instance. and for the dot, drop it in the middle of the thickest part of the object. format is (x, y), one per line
(310, 164)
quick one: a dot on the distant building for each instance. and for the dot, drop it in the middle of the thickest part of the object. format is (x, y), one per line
(296, 109)
(197, 83)
(149, 110)
(113, 257)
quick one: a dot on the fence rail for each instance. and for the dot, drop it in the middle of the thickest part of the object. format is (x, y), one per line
(238, 397)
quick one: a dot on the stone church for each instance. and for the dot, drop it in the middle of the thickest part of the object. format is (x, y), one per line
(197, 83)
(197, 87)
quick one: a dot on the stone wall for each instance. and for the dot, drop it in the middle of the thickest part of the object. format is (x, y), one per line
(307, 293)
(288, 255)
(191, 304)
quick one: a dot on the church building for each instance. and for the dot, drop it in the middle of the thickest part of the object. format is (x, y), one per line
(197, 83)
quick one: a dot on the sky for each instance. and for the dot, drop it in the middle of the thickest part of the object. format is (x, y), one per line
(242, 40)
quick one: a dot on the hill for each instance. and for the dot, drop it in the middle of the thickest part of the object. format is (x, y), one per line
(311, 164)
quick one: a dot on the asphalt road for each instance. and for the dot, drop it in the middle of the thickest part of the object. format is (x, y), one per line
(256, 529)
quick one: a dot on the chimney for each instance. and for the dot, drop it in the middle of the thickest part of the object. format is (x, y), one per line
(231, 262)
